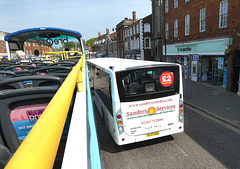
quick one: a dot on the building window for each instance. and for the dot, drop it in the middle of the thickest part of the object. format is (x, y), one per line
(25, 43)
(30, 52)
(166, 31)
(202, 20)
(223, 11)
(175, 3)
(187, 0)
(187, 24)
(130, 31)
(137, 28)
(27, 52)
(29, 44)
(166, 6)
(134, 30)
(147, 43)
(33, 44)
(175, 28)
(147, 27)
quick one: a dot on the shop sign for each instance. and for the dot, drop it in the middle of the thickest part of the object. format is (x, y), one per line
(195, 57)
(184, 49)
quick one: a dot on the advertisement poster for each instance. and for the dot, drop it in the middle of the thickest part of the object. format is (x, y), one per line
(142, 117)
(220, 62)
(24, 117)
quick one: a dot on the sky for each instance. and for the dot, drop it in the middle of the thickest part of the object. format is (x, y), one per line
(85, 16)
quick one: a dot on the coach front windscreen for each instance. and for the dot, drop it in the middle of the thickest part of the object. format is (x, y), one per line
(148, 83)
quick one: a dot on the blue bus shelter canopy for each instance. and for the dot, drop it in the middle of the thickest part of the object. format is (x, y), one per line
(46, 32)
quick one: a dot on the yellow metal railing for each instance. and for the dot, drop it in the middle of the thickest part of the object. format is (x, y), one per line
(63, 54)
(39, 148)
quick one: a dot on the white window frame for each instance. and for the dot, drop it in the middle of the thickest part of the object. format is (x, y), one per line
(175, 4)
(137, 28)
(223, 13)
(166, 31)
(166, 6)
(187, 24)
(202, 20)
(147, 27)
(145, 43)
(175, 28)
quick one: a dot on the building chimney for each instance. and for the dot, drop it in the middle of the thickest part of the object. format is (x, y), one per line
(99, 34)
(134, 16)
(107, 31)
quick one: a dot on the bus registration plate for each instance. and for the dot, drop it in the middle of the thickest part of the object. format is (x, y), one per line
(152, 134)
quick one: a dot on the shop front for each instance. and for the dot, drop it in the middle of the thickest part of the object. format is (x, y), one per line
(202, 61)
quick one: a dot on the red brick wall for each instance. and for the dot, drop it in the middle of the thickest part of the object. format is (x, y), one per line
(3, 47)
(212, 25)
(212, 19)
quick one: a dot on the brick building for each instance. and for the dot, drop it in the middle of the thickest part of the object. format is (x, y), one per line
(134, 38)
(105, 45)
(30, 47)
(120, 34)
(204, 36)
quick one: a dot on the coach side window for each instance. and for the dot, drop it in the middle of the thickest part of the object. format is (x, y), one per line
(102, 85)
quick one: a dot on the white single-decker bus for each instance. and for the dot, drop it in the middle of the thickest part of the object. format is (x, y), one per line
(138, 100)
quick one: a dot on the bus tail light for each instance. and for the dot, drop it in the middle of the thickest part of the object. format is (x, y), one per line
(119, 121)
(181, 112)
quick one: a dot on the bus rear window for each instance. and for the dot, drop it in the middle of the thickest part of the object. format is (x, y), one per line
(148, 83)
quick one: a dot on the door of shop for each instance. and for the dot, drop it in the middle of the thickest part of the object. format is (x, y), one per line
(218, 65)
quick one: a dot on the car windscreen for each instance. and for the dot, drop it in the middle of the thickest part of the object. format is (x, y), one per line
(148, 83)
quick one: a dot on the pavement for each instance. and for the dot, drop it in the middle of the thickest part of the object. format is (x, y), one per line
(214, 100)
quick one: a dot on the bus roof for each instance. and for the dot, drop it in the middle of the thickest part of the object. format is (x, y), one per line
(24, 34)
(119, 64)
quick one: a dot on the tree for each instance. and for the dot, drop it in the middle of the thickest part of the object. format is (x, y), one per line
(71, 44)
(90, 42)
